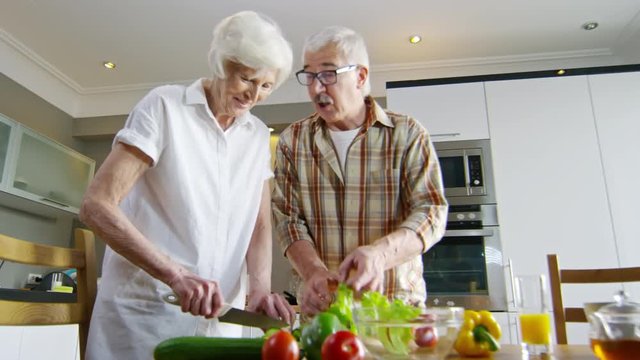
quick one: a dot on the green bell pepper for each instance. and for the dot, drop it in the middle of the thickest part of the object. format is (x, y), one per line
(314, 333)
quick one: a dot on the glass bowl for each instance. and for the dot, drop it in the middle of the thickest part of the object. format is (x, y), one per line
(430, 335)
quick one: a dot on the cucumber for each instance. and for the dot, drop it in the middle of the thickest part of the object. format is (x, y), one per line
(209, 348)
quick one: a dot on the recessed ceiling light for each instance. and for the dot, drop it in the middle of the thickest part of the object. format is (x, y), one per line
(414, 39)
(109, 65)
(271, 129)
(560, 72)
(590, 25)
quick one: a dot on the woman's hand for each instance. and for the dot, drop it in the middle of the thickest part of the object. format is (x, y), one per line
(197, 295)
(317, 294)
(272, 305)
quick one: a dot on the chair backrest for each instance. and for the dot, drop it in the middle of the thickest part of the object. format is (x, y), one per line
(82, 258)
(558, 276)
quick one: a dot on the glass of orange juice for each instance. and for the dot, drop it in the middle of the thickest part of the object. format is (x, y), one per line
(531, 296)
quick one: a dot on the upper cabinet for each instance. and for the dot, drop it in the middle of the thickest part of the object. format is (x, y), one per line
(5, 135)
(449, 112)
(41, 170)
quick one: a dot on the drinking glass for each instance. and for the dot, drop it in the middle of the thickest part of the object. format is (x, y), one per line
(56, 280)
(533, 312)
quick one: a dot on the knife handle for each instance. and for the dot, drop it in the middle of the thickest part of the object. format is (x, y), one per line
(173, 299)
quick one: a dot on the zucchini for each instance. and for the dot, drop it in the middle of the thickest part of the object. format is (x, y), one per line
(209, 348)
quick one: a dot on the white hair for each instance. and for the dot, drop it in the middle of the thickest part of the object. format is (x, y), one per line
(348, 43)
(253, 40)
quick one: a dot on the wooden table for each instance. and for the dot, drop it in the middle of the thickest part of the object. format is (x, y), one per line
(560, 352)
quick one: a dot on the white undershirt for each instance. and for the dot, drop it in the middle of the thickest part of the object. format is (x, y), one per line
(341, 141)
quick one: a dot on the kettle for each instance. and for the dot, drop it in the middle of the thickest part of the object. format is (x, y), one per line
(615, 329)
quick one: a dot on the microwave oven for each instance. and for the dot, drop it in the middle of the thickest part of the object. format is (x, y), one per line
(467, 172)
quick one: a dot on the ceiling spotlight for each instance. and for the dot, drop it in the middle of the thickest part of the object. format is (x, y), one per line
(590, 25)
(414, 39)
(271, 129)
(560, 72)
(109, 65)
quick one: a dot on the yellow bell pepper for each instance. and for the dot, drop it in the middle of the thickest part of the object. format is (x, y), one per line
(478, 335)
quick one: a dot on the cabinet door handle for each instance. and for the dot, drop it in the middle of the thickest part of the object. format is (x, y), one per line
(445, 135)
(470, 232)
(512, 279)
(55, 202)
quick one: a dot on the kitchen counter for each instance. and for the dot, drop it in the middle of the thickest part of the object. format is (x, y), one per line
(560, 352)
(37, 296)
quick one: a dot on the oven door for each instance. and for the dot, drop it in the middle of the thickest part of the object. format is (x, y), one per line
(465, 269)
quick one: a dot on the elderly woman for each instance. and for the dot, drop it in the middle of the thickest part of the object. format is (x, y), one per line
(183, 201)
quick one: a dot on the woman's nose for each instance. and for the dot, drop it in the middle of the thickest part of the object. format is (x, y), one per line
(252, 93)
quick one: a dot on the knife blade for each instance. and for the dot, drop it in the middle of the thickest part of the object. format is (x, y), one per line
(229, 314)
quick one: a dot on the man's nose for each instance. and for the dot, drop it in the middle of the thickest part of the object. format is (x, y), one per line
(317, 86)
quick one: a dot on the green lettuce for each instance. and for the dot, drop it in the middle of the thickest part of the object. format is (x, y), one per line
(342, 307)
(395, 339)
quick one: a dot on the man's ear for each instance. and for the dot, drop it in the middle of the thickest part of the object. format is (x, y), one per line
(363, 73)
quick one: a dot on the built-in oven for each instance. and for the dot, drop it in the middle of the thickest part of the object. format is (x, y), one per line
(465, 267)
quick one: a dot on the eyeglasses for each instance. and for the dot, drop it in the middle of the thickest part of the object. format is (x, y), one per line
(327, 77)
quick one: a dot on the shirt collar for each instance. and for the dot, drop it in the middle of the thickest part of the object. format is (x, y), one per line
(194, 95)
(374, 113)
(377, 113)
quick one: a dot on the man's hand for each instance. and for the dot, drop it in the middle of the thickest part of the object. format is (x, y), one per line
(363, 269)
(272, 305)
(197, 295)
(318, 293)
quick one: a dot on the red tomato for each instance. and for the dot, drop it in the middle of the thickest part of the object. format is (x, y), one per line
(342, 345)
(426, 336)
(280, 346)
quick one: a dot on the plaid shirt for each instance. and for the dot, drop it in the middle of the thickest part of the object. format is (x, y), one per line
(392, 180)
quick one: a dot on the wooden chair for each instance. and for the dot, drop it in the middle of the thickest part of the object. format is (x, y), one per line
(30, 312)
(558, 276)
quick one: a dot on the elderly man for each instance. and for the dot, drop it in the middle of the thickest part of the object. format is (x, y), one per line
(358, 194)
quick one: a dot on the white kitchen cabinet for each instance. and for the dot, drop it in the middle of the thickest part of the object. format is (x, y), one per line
(509, 325)
(41, 170)
(55, 342)
(449, 112)
(6, 131)
(616, 107)
(549, 180)
(10, 338)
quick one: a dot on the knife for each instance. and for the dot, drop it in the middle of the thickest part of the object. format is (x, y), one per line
(229, 314)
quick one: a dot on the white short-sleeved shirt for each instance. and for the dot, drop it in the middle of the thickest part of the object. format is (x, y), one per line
(198, 203)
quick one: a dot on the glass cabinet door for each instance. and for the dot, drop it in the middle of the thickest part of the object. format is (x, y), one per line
(5, 135)
(49, 172)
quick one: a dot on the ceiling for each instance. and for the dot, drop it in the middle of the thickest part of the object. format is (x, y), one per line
(56, 48)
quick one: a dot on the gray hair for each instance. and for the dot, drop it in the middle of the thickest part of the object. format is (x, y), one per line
(253, 40)
(348, 43)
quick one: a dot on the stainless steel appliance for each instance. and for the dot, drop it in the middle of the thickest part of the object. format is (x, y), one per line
(467, 171)
(466, 267)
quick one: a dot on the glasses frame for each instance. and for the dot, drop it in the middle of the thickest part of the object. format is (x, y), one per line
(319, 75)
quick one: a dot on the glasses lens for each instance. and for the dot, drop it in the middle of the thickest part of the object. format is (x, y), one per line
(304, 78)
(327, 77)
